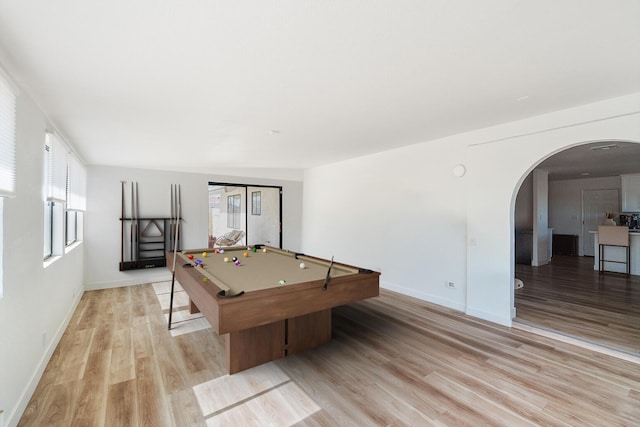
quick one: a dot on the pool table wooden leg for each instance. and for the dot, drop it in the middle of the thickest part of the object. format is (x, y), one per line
(308, 331)
(255, 346)
(193, 308)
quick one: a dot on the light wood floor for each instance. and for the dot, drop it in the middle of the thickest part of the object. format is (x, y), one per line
(393, 361)
(568, 296)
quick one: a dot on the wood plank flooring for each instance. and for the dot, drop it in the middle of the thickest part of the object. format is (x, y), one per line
(568, 296)
(394, 361)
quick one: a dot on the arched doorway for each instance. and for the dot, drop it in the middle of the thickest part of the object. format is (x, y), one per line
(565, 294)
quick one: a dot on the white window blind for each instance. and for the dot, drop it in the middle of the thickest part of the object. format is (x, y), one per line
(57, 169)
(7, 140)
(76, 185)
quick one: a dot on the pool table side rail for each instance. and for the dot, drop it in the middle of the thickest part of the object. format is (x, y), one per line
(204, 297)
(261, 307)
(338, 269)
(291, 254)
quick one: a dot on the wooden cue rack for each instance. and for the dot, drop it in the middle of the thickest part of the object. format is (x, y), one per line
(149, 240)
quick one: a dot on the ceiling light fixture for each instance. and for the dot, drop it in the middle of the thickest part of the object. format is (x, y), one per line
(604, 147)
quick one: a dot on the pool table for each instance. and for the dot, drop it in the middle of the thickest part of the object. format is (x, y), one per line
(268, 306)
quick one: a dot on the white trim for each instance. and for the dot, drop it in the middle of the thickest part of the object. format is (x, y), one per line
(26, 394)
(488, 316)
(422, 296)
(162, 275)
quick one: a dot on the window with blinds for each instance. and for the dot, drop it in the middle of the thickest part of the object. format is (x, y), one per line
(7, 140)
(7, 155)
(65, 196)
(57, 155)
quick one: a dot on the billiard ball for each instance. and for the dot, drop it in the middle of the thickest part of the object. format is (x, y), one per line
(217, 251)
(204, 254)
(245, 254)
(226, 259)
(190, 256)
(248, 248)
(253, 250)
(237, 262)
(282, 282)
(264, 250)
(234, 259)
(302, 265)
(204, 279)
(198, 261)
(221, 251)
(201, 265)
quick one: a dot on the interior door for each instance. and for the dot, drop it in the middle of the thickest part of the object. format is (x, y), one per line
(595, 203)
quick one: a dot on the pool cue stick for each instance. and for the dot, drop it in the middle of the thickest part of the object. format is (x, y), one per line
(175, 254)
(326, 279)
(178, 216)
(175, 209)
(131, 228)
(171, 219)
(137, 224)
(122, 234)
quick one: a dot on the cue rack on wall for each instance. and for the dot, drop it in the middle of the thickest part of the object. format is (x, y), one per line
(145, 240)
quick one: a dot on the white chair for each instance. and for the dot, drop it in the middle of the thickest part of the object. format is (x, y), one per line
(613, 236)
(230, 238)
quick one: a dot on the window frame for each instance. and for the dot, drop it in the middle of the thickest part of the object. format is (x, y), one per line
(256, 203)
(234, 209)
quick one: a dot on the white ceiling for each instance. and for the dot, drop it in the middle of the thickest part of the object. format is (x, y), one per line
(202, 84)
(594, 160)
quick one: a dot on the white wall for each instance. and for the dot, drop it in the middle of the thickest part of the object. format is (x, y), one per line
(401, 212)
(565, 201)
(540, 217)
(37, 301)
(102, 225)
(523, 217)
(404, 213)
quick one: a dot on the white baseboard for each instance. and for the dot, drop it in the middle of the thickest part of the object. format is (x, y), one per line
(423, 296)
(491, 317)
(23, 401)
(162, 275)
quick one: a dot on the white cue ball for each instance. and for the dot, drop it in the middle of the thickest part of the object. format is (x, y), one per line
(302, 265)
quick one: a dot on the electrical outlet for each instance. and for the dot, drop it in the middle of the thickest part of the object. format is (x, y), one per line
(450, 284)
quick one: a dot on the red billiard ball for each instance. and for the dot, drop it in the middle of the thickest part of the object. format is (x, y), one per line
(190, 256)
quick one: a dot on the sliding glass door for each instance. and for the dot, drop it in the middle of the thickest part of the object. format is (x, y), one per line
(241, 215)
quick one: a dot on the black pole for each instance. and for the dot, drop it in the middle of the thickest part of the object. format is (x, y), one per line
(175, 254)
(122, 233)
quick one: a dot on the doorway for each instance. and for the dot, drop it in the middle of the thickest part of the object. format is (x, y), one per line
(568, 296)
(594, 203)
(241, 215)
